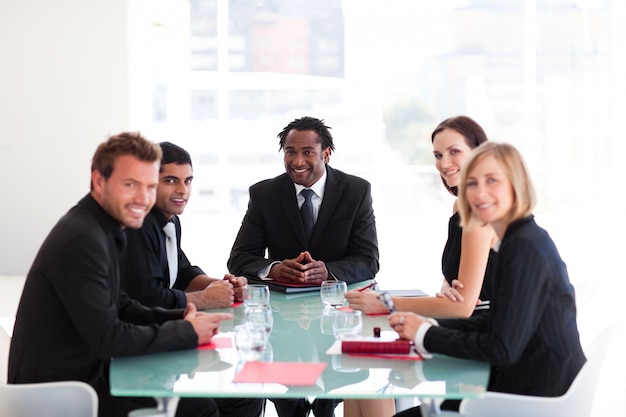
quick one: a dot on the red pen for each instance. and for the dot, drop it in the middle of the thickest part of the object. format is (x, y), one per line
(367, 287)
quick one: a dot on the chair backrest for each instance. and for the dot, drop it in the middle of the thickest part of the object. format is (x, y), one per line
(48, 399)
(584, 386)
(45, 399)
(577, 401)
(5, 343)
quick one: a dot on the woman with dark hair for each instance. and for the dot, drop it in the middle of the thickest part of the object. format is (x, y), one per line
(466, 253)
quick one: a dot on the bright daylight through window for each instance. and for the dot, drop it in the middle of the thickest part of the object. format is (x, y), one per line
(222, 78)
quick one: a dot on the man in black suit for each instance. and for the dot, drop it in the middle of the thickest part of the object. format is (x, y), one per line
(146, 276)
(342, 245)
(73, 316)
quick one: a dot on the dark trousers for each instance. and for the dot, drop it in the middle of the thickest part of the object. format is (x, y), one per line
(191, 407)
(299, 407)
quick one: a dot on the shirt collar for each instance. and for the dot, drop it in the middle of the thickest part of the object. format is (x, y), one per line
(159, 216)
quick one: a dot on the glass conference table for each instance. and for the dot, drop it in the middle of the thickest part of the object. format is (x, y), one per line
(301, 333)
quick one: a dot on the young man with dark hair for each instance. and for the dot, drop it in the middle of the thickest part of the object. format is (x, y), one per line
(152, 277)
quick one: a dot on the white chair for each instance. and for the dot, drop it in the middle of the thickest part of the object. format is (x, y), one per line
(577, 401)
(46, 399)
(5, 342)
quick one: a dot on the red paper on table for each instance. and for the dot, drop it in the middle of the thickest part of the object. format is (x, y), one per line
(376, 346)
(285, 373)
(217, 342)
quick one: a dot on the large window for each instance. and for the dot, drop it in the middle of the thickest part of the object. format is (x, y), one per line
(222, 78)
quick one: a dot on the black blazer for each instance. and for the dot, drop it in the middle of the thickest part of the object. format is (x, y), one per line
(146, 276)
(344, 236)
(73, 316)
(530, 336)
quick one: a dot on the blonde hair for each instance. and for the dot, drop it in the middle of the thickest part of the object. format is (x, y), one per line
(511, 161)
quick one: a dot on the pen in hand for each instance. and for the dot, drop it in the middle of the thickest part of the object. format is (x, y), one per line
(367, 287)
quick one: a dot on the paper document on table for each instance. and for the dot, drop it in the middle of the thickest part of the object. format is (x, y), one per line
(218, 342)
(404, 293)
(285, 373)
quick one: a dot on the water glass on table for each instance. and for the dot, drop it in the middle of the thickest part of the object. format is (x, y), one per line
(332, 293)
(260, 316)
(347, 323)
(257, 295)
(250, 341)
(326, 321)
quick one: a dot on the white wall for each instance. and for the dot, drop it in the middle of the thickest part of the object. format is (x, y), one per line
(63, 90)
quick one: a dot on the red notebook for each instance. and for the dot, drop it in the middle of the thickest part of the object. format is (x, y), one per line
(373, 346)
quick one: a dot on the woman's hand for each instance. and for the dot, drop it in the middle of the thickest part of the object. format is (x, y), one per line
(406, 324)
(452, 292)
(367, 301)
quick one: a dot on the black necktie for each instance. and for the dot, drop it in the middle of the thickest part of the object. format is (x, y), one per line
(306, 211)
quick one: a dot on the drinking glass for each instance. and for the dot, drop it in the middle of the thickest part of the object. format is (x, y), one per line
(332, 293)
(258, 295)
(250, 340)
(326, 321)
(261, 316)
(347, 323)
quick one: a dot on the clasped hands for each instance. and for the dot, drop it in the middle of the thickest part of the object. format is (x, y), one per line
(222, 293)
(300, 270)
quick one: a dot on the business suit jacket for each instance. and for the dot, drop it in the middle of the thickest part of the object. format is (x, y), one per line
(344, 236)
(530, 336)
(146, 276)
(73, 316)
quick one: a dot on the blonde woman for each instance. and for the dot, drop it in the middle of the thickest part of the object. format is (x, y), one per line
(530, 337)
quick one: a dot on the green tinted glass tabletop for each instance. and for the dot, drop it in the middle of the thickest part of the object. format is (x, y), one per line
(300, 333)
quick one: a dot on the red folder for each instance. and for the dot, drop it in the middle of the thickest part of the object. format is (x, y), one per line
(371, 346)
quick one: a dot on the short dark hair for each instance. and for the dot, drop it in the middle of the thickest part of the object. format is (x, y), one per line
(308, 123)
(125, 143)
(174, 154)
(472, 132)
